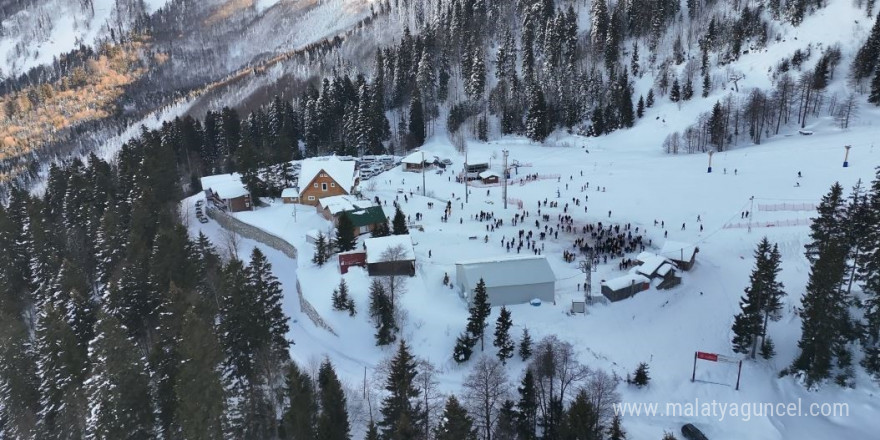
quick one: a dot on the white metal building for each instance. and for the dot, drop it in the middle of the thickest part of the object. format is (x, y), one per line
(509, 280)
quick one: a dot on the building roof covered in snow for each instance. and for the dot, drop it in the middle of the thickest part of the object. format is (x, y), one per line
(290, 192)
(507, 271)
(477, 159)
(625, 281)
(376, 247)
(342, 171)
(416, 157)
(337, 204)
(368, 216)
(226, 186)
(677, 250)
(664, 269)
(650, 263)
(488, 174)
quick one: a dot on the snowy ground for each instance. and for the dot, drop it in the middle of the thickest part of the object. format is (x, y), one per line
(663, 328)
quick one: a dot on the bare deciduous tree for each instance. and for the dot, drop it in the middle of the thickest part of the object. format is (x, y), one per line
(395, 284)
(485, 389)
(557, 374)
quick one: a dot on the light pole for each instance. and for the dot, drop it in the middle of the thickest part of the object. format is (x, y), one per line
(710, 161)
(846, 157)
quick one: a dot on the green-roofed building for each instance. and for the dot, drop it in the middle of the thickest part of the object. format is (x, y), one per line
(366, 219)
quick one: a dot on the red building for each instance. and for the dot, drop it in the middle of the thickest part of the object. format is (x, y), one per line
(351, 258)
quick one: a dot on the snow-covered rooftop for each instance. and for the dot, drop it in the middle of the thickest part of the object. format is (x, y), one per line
(625, 281)
(416, 157)
(290, 192)
(376, 247)
(488, 174)
(477, 159)
(650, 263)
(677, 250)
(664, 269)
(506, 271)
(337, 204)
(342, 171)
(226, 186)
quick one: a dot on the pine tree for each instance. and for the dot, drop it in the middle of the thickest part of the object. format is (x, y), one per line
(615, 431)
(716, 127)
(826, 323)
(688, 91)
(503, 342)
(634, 62)
(869, 275)
(762, 301)
(270, 318)
(61, 364)
(198, 385)
(768, 349)
(372, 432)
(401, 411)
(416, 121)
(675, 93)
(582, 419)
(641, 377)
(333, 420)
(345, 239)
(598, 120)
(381, 229)
(301, 416)
(874, 96)
(537, 120)
(455, 423)
(118, 388)
(320, 256)
(866, 58)
(398, 224)
(527, 407)
(382, 314)
(479, 312)
(640, 107)
(340, 298)
(464, 348)
(525, 345)
(649, 101)
(707, 85)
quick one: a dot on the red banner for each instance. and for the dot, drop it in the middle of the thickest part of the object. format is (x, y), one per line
(707, 356)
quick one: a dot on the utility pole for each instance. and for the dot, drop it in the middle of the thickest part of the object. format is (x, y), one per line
(465, 174)
(504, 179)
(423, 173)
(751, 211)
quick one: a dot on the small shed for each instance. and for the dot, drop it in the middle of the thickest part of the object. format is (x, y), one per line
(366, 220)
(290, 195)
(682, 254)
(489, 177)
(509, 280)
(625, 286)
(391, 255)
(416, 161)
(351, 258)
(227, 192)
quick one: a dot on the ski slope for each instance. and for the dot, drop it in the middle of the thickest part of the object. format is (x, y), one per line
(663, 328)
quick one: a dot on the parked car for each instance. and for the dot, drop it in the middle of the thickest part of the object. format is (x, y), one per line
(690, 432)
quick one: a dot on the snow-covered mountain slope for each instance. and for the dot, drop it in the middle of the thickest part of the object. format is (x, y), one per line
(45, 29)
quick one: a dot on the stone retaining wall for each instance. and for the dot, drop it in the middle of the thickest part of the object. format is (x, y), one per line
(252, 232)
